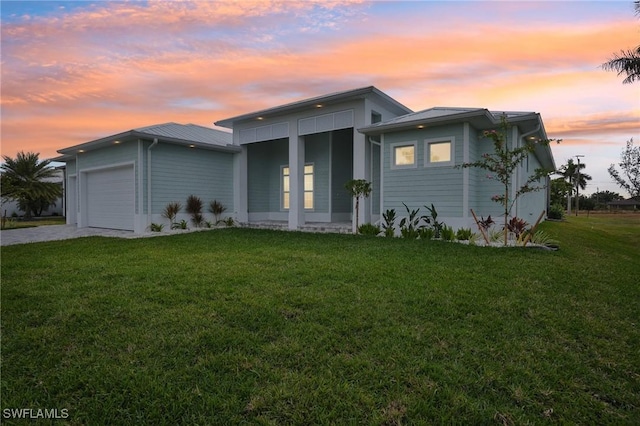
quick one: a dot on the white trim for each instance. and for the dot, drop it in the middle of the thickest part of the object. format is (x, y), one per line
(452, 151)
(394, 146)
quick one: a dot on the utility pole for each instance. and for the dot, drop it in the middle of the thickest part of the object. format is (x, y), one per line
(578, 185)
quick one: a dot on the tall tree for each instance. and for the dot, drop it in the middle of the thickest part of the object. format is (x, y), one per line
(572, 173)
(629, 177)
(23, 180)
(627, 62)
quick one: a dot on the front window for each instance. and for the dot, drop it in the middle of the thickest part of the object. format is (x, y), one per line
(403, 155)
(308, 187)
(438, 152)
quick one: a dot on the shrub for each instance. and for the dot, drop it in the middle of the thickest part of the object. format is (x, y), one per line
(447, 233)
(388, 225)
(180, 225)
(217, 208)
(171, 211)
(228, 221)
(432, 220)
(156, 227)
(194, 208)
(425, 233)
(556, 212)
(410, 225)
(517, 226)
(369, 229)
(464, 234)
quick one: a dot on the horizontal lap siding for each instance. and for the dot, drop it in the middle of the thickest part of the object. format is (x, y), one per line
(179, 171)
(109, 156)
(438, 185)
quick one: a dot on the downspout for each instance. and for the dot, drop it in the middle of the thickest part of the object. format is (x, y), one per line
(155, 142)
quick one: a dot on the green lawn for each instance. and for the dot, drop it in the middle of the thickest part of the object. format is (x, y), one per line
(13, 223)
(261, 327)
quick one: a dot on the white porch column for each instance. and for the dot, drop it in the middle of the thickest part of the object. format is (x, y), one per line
(240, 185)
(360, 171)
(296, 181)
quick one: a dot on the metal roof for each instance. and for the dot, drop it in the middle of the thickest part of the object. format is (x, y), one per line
(181, 134)
(323, 100)
(480, 118)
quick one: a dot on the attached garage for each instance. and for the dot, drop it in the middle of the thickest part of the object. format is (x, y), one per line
(110, 198)
(125, 181)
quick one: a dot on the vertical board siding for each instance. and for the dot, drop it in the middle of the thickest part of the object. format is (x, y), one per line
(341, 170)
(178, 171)
(264, 162)
(419, 186)
(316, 151)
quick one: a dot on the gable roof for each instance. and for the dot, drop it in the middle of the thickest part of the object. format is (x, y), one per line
(317, 101)
(191, 135)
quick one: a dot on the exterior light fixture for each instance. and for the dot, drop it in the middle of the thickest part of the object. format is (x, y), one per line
(260, 118)
(81, 150)
(192, 146)
(421, 126)
(116, 142)
(319, 105)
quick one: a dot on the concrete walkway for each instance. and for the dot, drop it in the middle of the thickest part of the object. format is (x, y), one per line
(58, 232)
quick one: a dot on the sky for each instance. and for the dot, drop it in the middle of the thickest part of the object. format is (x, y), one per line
(75, 71)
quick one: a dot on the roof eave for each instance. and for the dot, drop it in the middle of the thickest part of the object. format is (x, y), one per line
(412, 124)
(310, 103)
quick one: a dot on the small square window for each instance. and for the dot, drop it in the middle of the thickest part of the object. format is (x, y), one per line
(438, 152)
(404, 155)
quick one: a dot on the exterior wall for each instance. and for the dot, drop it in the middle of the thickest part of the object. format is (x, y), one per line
(317, 151)
(529, 206)
(105, 158)
(264, 163)
(341, 173)
(424, 185)
(178, 171)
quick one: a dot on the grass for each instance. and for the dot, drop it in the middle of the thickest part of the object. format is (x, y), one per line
(261, 327)
(12, 223)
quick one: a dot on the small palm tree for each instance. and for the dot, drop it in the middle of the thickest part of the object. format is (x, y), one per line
(23, 180)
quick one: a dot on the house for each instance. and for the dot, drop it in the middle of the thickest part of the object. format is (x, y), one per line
(124, 181)
(289, 164)
(629, 204)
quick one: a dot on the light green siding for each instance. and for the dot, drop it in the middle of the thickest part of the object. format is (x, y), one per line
(108, 157)
(179, 171)
(424, 185)
(71, 167)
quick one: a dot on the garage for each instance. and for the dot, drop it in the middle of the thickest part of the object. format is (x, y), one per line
(110, 198)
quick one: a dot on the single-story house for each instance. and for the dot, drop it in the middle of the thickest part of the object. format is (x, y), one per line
(629, 204)
(289, 164)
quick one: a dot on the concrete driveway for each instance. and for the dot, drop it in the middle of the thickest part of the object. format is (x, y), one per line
(58, 232)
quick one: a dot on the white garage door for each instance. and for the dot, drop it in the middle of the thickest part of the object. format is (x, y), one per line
(111, 198)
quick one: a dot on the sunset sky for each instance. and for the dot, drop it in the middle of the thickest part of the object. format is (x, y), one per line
(76, 71)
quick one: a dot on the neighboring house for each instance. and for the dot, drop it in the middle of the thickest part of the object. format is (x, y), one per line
(629, 204)
(10, 207)
(289, 164)
(125, 181)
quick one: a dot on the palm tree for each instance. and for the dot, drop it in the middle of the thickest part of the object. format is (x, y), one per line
(627, 61)
(23, 180)
(576, 178)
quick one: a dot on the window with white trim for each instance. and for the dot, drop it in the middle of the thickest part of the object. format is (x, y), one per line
(403, 155)
(439, 152)
(308, 187)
